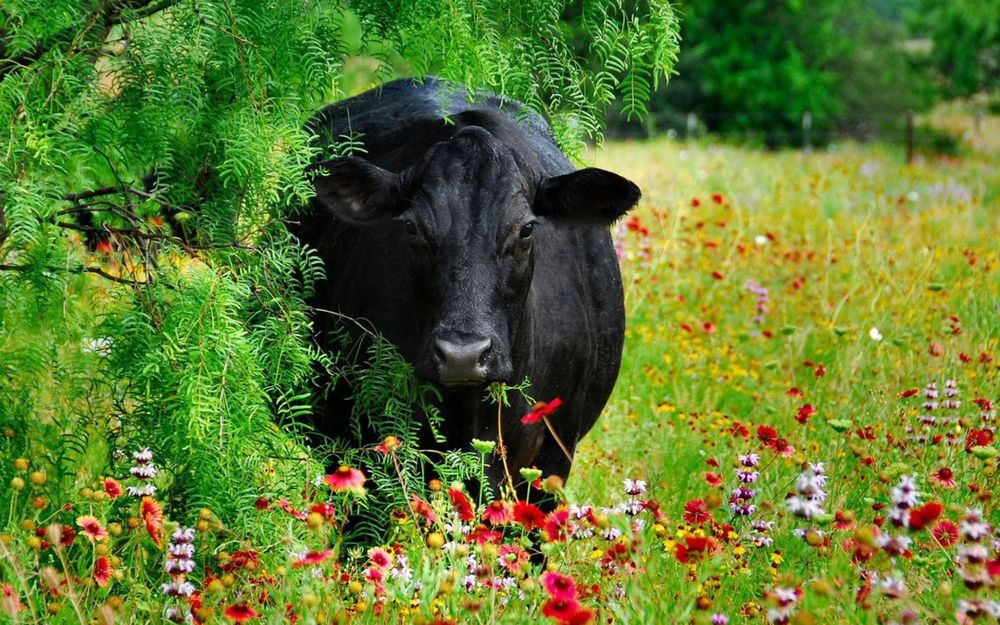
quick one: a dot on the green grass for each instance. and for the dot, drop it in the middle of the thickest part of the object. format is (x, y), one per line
(844, 241)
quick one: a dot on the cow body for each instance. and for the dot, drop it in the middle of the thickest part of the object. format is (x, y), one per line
(466, 238)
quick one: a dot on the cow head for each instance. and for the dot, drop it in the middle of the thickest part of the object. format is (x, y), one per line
(469, 213)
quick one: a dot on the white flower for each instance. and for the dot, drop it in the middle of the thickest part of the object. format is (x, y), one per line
(875, 334)
(100, 346)
(760, 240)
(635, 487)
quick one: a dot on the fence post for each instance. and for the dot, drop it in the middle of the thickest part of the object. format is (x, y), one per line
(909, 137)
(692, 125)
(807, 124)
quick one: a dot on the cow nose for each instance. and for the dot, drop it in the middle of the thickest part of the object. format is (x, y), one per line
(462, 363)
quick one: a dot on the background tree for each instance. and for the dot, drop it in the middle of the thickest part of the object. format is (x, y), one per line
(752, 69)
(965, 34)
(169, 134)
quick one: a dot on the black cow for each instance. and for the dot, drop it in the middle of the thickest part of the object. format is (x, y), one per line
(466, 237)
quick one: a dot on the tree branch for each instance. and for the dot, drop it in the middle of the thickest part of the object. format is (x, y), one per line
(101, 24)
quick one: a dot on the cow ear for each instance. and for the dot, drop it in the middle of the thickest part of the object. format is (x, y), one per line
(586, 196)
(354, 190)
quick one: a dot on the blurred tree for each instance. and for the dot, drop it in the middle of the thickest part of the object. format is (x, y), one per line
(753, 68)
(966, 43)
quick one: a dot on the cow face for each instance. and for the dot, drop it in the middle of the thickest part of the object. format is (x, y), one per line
(468, 213)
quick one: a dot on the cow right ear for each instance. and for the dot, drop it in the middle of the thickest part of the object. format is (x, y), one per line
(354, 190)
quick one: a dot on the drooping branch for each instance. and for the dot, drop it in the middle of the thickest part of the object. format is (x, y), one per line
(98, 25)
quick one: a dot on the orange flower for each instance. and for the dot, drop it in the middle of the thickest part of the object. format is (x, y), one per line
(152, 515)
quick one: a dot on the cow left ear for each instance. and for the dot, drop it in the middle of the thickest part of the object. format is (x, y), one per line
(354, 190)
(586, 196)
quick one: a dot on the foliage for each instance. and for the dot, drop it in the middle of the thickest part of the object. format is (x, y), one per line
(966, 44)
(754, 70)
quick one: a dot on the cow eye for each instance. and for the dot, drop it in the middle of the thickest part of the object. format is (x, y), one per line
(526, 231)
(411, 228)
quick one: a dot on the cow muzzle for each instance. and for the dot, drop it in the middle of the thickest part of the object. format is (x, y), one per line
(462, 362)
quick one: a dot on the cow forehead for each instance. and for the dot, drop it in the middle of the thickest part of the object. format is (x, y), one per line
(471, 185)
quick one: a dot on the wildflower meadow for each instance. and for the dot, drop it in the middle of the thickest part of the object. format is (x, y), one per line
(803, 432)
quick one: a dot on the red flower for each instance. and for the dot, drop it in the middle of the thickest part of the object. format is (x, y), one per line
(152, 516)
(498, 513)
(717, 198)
(241, 559)
(313, 558)
(528, 515)
(713, 479)
(325, 510)
(993, 567)
(556, 525)
(944, 477)
(978, 438)
(261, 503)
(559, 586)
(422, 508)
(461, 504)
(541, 409)
(696, 512)
(909, 392)
(696, 202)
(925, 515)
(945, 532)
(104, 247)
(820, 370)
(240, 613)
(694, 548)
(718, 275)
(804, 413)
(112, 488)
(738, 430)
(346, 478)
(102, 571)
(794, 392)
(563, 610)
(767, 435)
(482, 535)
(844, 520)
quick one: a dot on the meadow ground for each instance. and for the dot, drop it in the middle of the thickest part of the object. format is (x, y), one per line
(803, 431)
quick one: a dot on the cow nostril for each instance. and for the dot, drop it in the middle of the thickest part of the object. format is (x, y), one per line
(484, 353)
(462, 361)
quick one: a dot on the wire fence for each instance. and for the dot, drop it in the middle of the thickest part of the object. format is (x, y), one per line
(794, 130)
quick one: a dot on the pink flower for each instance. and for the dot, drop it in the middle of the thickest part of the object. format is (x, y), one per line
(559, 586)
(513, 558)
(347, 479)
(379, 557)
(498, 513)
(92, 528)
(313, 558)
